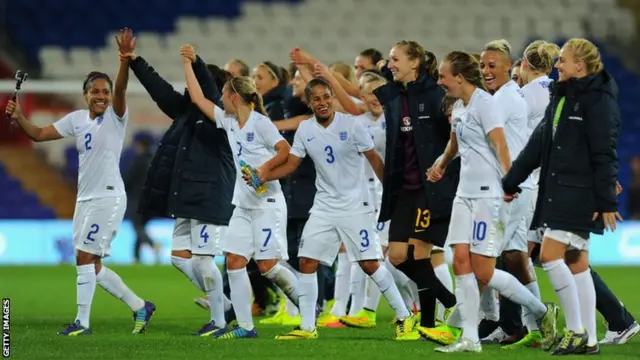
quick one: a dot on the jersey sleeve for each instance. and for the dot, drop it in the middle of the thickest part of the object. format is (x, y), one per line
(269, 132)
(490, 116)
(222, 120)
(64, 126)
(298, 149)
(362, 138)
(124, 120)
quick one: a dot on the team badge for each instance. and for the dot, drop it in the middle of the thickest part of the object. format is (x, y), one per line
(421, 107)
(577, 107)
(344, 136)
(250, 137)
(100, 119)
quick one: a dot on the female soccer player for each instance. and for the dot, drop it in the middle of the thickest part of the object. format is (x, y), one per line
(575, 147)
(478, 219)
(101, 202)
(515, 73)
(257, 228)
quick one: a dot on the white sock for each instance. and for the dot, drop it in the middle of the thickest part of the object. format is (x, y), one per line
(489, 304)
(565, 286)
(382, 277)
(404, 285)
(587, 296)
(468, 297)
(291, 308)
(341, 291)
(186, 266)
(413, 290)
(85, 288)
(509, 287)
(308, 298)
(227, 303)
(373, 294)
(455, 320)
(285, 280)
(443, 274)
(356, 288)
(528, 319)
(532, 272)
(113, 284)
(240, 287)
(209, 275)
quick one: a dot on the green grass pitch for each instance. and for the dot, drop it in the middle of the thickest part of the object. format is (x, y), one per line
(43, 301)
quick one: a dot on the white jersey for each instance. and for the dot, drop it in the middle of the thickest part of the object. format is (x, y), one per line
(99, 143)
(480, 171)
(255, 144)
(336, 154)
(536, 94)
(377, 129)
(516, 118)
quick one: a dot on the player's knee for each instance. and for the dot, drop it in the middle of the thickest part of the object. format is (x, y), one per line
(308, 266)
(579, 261)
(398, 254)
(437, 258)
(266, 265)
(483, 274)
(461, 260)
(236, 262)
(369, 266)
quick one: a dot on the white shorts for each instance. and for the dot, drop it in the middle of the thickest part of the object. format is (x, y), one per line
(382, 229)
(574, 241)
(534, 236)
(436, 248)
(198, 237)
(260, 234)
(480, 223)
(322, 236)
(96, 223)
(517, 230)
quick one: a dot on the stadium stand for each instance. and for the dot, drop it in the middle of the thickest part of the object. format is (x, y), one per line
(334, 30)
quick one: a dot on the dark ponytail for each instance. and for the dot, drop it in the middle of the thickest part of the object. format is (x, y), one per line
(431, 65)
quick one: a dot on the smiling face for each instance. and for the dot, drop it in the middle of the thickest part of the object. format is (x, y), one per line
(98, 96)
(370, 98)
(362, 64)
(263, 79)
(402, 67)
(568, 66)
(495, 69)
(452, 84)
(320, 100)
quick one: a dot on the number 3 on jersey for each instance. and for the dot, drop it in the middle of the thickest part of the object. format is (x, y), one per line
(87, 141)
(329, 151)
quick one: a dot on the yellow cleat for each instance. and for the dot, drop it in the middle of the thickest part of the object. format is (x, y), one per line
(276, 319)
(405, 327)
(328, 319)
(445, 334)
(365, 319)
(299, 334)
(412, 336)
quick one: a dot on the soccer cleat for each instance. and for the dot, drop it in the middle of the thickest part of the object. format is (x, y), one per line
(235, 332)
(415, 335)
(299, 334)
(405, 327)
(208, 329)
(498, 336)
(276, 319)
(462, 345)
(620, 337)
(571, 343)
(142, 317)
(288, 320)
(548, 327)
(445, 334)
(531, 340)
(202, 302)
(330, 321)
(75, 329)
(364, 319)
(590, 350)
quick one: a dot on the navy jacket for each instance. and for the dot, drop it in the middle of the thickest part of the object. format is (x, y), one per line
(579, 166)
(192, 173)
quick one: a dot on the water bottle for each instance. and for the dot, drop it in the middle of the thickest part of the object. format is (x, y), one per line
(248, 170)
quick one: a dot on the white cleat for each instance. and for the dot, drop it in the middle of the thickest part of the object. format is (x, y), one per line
(620, 337)
(462, 345)
(496, 337)
(203, 302)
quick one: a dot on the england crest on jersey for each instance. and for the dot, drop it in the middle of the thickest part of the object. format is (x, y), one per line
(250, 136)
(344, 136)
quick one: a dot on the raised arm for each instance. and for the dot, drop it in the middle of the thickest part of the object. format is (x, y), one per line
(126, 45)
(34, 132)
(195, 91)
(345, 100)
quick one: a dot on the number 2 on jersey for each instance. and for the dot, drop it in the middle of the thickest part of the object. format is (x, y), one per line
(329, 151)
(87, 141)
(94, 230)
(479, 230)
